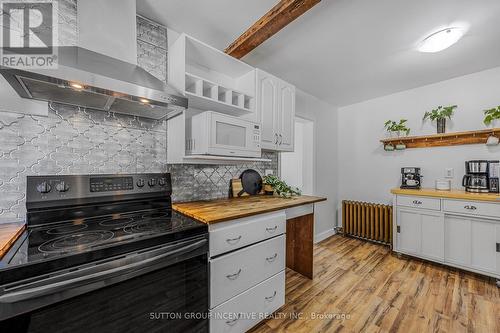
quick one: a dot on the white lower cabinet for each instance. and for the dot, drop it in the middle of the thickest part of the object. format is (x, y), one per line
(468, 239)
(473, 243)
(244, 311)
(238, 271)
(247, 271)
(420, 232)
(457, 240)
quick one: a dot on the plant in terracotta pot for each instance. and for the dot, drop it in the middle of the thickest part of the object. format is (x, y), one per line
(398, 128)
(274, 184)
(439, 115)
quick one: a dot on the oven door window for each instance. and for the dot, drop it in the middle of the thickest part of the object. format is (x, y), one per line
(171, 299)
(230, 135)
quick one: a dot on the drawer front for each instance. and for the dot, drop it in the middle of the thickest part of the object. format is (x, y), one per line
(241, 313)
(419, 202)
(238, 271)
(232, 235)
(472, 208)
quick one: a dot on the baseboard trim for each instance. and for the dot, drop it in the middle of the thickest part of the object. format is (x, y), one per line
(324, 235)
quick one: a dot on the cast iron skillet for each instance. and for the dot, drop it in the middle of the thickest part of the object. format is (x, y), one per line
(251, 182)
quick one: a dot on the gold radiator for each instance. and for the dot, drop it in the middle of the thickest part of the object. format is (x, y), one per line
(367, 221)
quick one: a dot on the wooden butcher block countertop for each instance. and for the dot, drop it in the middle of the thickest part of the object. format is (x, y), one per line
(213, 211)
(9, 232)
(452, 194)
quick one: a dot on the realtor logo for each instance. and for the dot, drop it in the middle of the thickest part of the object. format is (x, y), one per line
(29, 32)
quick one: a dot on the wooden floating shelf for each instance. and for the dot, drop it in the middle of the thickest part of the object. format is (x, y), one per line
(445, 139)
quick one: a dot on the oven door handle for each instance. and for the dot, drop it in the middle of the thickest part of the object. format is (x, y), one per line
(102, 278)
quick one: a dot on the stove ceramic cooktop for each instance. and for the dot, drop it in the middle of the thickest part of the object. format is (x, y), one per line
(91, 233)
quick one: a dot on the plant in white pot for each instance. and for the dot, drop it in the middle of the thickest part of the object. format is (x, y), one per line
(439, 115)
(398, 128)
(490, 117)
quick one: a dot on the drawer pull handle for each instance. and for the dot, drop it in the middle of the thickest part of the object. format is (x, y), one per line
(273, 258)
(270, 298)
(233, 321)
(233, 240)
(272, 230)
(470, 207)
(417, 202)
(234, 276)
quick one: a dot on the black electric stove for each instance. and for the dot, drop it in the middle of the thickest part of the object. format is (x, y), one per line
(90, 234)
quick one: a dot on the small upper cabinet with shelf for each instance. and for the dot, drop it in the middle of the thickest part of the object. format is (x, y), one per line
(211, 79)
(276, 112)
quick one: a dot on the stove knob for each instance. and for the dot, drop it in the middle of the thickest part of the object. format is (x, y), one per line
(152, 182)
(140, 183)
(161, 182)
(43, 187)
(62, 187)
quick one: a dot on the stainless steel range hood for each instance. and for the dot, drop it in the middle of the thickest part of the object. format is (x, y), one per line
(92, 80)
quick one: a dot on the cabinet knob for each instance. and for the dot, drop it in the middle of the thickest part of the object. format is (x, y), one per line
(417, 202)
(470, 207)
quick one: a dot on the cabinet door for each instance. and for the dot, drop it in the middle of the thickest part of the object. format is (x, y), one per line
(267, 91)
(408, 231)
(286, 117)
(457, 248)
(432, 234)
(484, 255)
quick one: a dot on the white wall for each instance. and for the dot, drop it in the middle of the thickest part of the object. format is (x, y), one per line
(367, 172)
(324, 117)
(297, 167)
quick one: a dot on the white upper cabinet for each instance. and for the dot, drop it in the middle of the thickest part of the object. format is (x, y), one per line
(211, 79)
(276, 112)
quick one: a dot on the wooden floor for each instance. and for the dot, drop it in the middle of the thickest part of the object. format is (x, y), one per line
(362, 287)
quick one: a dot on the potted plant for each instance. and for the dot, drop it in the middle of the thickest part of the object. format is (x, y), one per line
(274, 184)
(439, 115)
(491, 115)
(398, 128)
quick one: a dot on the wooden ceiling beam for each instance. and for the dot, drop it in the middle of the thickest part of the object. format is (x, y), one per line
(273, 21)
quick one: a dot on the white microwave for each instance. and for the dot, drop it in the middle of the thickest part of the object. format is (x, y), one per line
(212, 133)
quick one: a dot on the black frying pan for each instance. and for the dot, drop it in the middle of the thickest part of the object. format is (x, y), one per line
(251, 182)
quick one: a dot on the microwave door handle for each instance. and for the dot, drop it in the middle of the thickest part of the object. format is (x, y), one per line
(103, 277)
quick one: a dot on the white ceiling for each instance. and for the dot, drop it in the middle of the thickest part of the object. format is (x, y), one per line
(347, 51)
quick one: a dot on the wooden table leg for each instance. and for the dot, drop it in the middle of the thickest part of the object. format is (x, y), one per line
(300, 244)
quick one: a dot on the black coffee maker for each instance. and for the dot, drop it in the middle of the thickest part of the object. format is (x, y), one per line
(411, 177)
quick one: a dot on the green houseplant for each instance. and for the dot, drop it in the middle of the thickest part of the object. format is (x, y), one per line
(280, 187)
(491, 115)
(396, 127)
(439, 115)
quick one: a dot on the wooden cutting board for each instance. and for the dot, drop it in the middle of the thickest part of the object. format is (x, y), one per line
(9, 233)
(237, 187)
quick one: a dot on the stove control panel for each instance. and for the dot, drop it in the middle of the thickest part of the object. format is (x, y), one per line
(104, 184)
(63, 187)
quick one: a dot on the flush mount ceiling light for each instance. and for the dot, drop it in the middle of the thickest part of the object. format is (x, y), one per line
(441, 39)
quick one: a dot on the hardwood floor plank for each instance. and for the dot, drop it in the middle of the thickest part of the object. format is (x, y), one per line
(363, 287)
